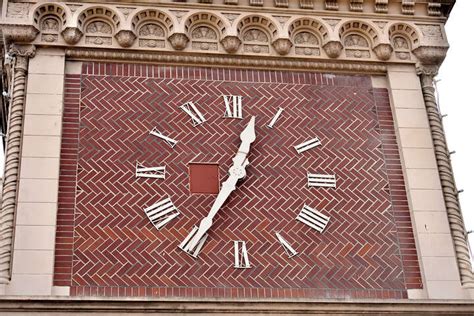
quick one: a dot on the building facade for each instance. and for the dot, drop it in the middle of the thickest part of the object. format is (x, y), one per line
(228, 156)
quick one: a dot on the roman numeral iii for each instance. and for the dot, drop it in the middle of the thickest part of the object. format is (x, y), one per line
(161, 213)
(233, 106)
(313, 218)
(321, 180)
(196, 116)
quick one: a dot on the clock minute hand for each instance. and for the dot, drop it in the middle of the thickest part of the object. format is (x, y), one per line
(236, 172)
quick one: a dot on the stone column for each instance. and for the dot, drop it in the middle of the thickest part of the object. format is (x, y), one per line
(21, 54)
(448, 184)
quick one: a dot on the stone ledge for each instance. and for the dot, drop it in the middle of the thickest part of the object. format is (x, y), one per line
(207, 306)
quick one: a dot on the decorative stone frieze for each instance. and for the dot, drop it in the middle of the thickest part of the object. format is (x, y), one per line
(71, 35)
(383, 51)
(223, 31)
(21, 55)
(231, 43)
(125, 38)
(282, 46)
(19, 33)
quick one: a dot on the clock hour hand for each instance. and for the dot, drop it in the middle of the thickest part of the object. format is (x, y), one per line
(236, 172)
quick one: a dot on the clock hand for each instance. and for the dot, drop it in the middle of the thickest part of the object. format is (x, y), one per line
(236, 172)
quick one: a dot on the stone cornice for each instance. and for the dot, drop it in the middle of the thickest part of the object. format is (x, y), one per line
(206, 306)
(225, 61)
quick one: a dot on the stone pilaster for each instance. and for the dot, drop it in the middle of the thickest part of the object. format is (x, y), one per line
(450, 192)
(21, 54)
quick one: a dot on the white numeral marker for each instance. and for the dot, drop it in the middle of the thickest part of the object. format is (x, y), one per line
(286, 245)
(241, 258)
(321, 180)
(185, 244)
(313, 218)
(233, 106)
(196, 116)
(149, 172)
(275, 118)
(168, 140)
(307, 145)
(161, 213)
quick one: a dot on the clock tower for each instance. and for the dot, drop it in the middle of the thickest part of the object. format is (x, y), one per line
(228, 157)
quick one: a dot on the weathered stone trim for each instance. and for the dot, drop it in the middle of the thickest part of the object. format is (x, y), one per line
(12, 157)
(202, 306)
(225, 61)
(446, 175)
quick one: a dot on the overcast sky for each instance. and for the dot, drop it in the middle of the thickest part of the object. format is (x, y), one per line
(456, 94)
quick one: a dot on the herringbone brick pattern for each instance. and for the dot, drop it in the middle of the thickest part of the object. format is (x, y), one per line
(116, 251)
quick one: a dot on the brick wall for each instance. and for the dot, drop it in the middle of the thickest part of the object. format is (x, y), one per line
(107, 246)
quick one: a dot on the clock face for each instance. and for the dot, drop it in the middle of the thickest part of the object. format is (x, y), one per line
(325, 129)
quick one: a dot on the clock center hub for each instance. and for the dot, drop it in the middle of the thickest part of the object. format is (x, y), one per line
(238, 171)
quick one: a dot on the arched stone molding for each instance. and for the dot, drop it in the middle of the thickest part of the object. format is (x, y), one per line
(257, 33)
(408, 31)
(268, 23)
(205, 30)
(152, 27)
(98, 12)
(98, 24)
(365, 28)
(220, 23)
(308, 36)
(356, 45)
(50, 19)
(360, 37)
